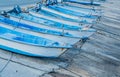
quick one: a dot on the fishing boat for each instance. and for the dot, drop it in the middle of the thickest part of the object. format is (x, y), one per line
(62, 15)
(33, 28)
(72, 12)
(73, 36)
(75, 5)
(60, 19)
(52, 26)
(65, 7)
(64, 37)
(45, 22)
(30, 45)
(85, 11)
(44, 15)
(91, 2)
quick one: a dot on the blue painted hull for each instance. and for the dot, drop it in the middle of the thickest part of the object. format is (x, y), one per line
(33, 28)
(60, 17)
(73, 36)
(70, 12)
(30, 45)
(85, 2)
(65, 16)
(46, 22)
(28, 39)
(80, 7)
(86, 11)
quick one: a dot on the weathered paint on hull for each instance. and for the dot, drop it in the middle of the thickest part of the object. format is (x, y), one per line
(80, 10)
(82, 34)
(82, 25)
(36, 29)
(30, 50)
(73, 13)
(78, 19)
(85, 2)
(27, 44)
(61, 39)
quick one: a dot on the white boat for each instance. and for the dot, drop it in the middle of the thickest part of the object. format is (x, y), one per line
(85, 33)
(67, 17)
(72, 13)
(30, 45)
(92, 2)
(41, 14)
(80, 10)
(61, 39)
(33, 28)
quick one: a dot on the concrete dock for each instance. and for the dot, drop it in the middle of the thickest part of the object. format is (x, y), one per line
(99, 56)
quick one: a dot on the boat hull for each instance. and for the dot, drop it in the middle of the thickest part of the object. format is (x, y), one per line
(81, 34)
(30, 50)
(34, 28)
(67, 16)
(27, 44)
(61, 39)
(61, 20)
(80, 10)
(75, 5)
(72, 12)
(85, 2)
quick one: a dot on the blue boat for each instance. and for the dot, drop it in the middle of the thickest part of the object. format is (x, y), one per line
(71, 12)
(61, 36)
(92, 2)
(53, 17)
(85, 11)
(30, 45)
(49, 23)
(50, 14)
(78, 34)
(80, 6)
(64, 16)
(36, 29)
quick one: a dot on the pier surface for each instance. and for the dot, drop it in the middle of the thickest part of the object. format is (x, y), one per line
(99, 56)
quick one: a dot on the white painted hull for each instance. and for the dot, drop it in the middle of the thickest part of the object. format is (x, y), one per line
(83, 6)
(76, 33)
(30, 50)
(54, 19)
(87, 12)
(61, 39)
(58, 20)
(67, 15)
